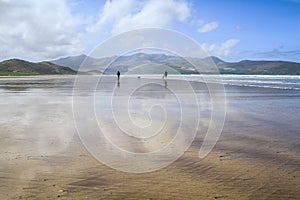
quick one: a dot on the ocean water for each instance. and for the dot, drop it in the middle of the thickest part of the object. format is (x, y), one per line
(266, 81)
(286, 82)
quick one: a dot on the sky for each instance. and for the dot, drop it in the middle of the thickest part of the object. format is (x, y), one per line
(232, 30)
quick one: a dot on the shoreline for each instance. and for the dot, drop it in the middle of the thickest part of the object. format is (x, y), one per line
(222, 79)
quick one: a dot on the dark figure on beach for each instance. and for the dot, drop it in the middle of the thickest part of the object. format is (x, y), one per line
(118, 74)
(165, 75)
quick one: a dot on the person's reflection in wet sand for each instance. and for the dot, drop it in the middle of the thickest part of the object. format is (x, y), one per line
(166, 84)
(118, 83)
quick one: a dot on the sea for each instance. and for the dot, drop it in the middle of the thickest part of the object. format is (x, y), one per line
(285, 82)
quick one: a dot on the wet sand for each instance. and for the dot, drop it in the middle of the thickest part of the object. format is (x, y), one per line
(41, 156)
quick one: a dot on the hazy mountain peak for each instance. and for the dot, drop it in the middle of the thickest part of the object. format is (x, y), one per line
(126, 63)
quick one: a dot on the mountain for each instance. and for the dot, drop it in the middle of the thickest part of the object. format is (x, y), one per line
(74, 62)
(92, 65)
(147, 63)
(260, 67)
(71, 61)
(157, 63)
(16, 66)
(142, 63)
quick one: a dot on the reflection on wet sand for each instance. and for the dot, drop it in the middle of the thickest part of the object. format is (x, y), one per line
(41, 156)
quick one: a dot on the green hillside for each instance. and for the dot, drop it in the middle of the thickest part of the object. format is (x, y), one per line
(16, 67)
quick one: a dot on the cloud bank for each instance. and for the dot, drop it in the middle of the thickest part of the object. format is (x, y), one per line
(37, 29)
(40, 30)
(124, 15)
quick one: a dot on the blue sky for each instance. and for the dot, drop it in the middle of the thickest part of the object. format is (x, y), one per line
(230, 29)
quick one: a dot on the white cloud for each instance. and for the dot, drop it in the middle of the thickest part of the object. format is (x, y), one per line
(124, 15)
(111, 13)
(37, 30)
(224, 49)
(208, 27)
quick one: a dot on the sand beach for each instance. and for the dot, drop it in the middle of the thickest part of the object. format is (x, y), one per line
(42, 155)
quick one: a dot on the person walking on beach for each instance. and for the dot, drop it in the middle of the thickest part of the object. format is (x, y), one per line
(165, 75)
(118, 74)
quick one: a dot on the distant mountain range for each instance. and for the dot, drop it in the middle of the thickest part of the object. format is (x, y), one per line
(148, 64)
(144, 63)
